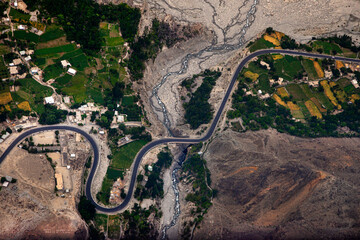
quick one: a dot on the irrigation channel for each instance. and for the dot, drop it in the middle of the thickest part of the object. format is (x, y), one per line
(214, 48)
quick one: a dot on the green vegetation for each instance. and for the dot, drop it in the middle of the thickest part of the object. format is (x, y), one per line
(52, 32)
(147, 46)
(19, 15)
(310, 69)
(53, 71)
(33, 92)
(114, 41)
(80, 19)
(326, 47)
(198, 111)
(76, 87)
(124, 156)
(136, 224)
(195, 171)
(86, 209)
(52, 50)
(4, 72)
(260, 43)
(79, 62)
(304, 102)
(289, 67)
(104, 194)
(28, 36)
(154, 187)
(52, 115)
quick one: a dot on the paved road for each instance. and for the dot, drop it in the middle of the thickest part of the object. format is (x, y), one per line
(152, 144)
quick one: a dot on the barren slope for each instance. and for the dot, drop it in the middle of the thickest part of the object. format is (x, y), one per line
(273, 185)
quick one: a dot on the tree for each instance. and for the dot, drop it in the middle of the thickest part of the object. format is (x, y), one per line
(86, 209)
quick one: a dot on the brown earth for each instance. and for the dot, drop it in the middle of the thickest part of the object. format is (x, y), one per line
(275, 186)
(30, 209)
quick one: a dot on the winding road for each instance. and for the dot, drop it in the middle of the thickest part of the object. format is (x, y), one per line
(155, 143)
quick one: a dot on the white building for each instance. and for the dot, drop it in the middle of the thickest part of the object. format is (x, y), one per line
(72, 155)
(22, 53)
(49, 100)
(355, 83)
(71, 71)
(22, 27)
(65, 63)
(67, 99)
(120, 119)
(28, 58)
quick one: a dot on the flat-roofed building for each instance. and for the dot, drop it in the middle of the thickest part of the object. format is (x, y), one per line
(59, 181)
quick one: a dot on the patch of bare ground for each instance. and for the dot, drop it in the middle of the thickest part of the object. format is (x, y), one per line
(272, 185)
(30, 208)
(53, 43)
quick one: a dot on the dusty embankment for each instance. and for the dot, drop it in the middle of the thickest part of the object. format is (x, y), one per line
(273, 185)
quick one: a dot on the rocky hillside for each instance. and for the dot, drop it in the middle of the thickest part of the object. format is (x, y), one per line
(276, 186)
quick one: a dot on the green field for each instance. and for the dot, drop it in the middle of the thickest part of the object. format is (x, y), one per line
(296, 91)
(124, 156)
(62, 81)
(77, 88)
(261, 44)
(114, 41)
(33, 92)
(72, 54)
(288, 67)
(79, 62)
(96, 95)
(310, 69)
(59, 49)
(264, 83)
(52, 32)
(327, 47)
(114, 173)
(53, 71)
(104, 194)
(23, 35)
(40, 62)
(253, 67)
(127, 100)
(15, 14)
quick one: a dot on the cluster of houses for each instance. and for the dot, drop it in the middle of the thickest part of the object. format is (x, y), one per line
(66, 64)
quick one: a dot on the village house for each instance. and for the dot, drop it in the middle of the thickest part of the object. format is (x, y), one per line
(49, 100)
(65, 63)
(71, 71)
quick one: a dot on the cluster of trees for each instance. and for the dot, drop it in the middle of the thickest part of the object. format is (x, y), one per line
(198, 111)
(147, 47)
(344, 41)
(195, 166)
(52, 115)
(136, 133)
(136, 223)
(154, 186)
(86, 209)
(80, 19)
(127, 17)
(15, 113)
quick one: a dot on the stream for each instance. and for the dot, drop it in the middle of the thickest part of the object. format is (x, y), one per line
(214, 48)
